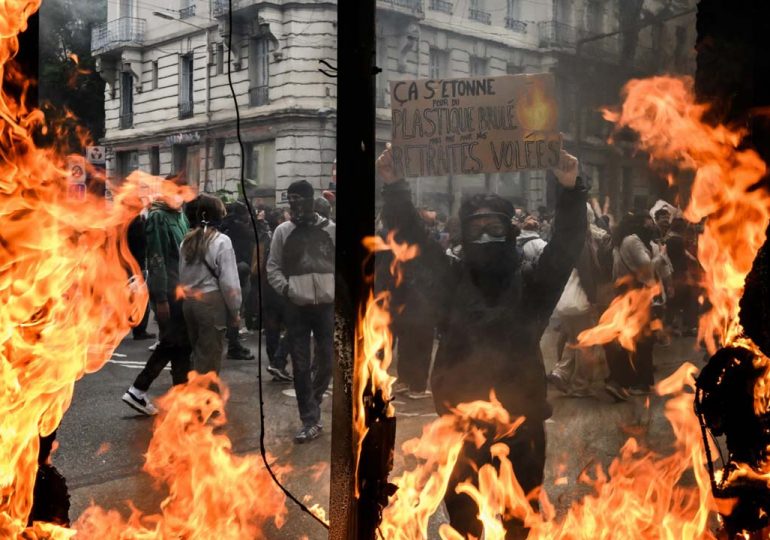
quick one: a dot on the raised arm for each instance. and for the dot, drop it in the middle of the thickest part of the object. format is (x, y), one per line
(546, 283)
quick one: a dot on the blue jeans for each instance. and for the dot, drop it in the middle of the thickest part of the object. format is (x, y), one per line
(311, 376)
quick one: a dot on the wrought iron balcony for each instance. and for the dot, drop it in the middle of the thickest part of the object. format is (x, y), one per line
(187, 12)
(558, 35)
(219, 8)
(116, 34)
(516, 25)
(480, 16)
(414, 6)
(185, 109)
(258, 96)
(441, 5)
(127, 120)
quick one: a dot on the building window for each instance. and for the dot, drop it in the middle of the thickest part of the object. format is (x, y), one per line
(187, 9)
(178, 158)
(250, 161)
(512, 68)
(126, 163)
(259, 72)
(186, 86)
(512, 17)
(220, 58)
(478, 67)
(126, 100)
(154, 75)
(477, 12)
(155, 160)
(595, 15)
(437, 63)
(382, 77)
(219, 154)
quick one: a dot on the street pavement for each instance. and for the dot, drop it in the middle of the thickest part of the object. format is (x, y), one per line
(102, 441)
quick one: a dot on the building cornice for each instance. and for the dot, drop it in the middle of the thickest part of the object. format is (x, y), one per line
(127, 137)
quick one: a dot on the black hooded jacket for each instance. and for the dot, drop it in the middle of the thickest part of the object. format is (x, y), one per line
(490, 339)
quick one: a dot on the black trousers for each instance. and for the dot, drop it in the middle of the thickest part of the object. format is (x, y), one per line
(415, 351)
(527, 455)
(274, 319)
(312, 375)
(173, 346)
(631, 368)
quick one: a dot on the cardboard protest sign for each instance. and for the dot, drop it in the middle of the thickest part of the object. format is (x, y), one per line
(477, 125)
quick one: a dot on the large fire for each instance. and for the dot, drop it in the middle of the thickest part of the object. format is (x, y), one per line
(213, 494)
(68, 304)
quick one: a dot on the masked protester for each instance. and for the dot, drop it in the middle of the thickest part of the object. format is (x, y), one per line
(300, 267)
(491, 318)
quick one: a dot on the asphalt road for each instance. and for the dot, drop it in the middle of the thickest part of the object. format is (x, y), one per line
(102, 441)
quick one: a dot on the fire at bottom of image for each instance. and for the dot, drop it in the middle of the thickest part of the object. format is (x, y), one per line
(66, 307)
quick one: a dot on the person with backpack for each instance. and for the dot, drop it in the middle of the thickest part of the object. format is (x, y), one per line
(208, 276)
(165, 229)
(300, 267)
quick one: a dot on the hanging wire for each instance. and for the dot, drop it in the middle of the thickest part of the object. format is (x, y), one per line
(262, 448)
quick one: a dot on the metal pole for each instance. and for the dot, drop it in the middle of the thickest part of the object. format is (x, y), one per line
(351, 518)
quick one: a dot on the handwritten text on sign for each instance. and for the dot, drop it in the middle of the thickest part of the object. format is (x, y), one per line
(471, 126)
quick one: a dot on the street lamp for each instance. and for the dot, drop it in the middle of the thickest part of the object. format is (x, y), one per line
(168, 17)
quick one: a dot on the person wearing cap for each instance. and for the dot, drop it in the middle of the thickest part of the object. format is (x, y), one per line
(492, 314)
(300, 267)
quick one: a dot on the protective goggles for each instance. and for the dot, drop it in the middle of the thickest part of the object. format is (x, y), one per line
(493, 224)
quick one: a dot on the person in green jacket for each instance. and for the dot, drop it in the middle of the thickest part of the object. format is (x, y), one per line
(165, 229)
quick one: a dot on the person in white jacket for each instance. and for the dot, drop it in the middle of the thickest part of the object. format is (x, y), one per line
(208, 278)
(301, 268)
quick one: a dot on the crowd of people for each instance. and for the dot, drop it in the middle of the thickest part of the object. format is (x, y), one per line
(649, 247)
(205, 268)
(468, 313)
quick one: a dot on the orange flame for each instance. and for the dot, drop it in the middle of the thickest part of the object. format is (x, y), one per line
(374, 341)
(641, 496)
(624, 319)
(536, 110)
(213, 494)
(671, 128)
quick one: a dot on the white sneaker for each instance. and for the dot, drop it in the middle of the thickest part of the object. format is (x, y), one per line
(419, 395)
(153, 346)
(140, 404)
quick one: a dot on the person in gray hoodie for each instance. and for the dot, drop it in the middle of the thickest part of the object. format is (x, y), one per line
(208, 276)
(300, 267)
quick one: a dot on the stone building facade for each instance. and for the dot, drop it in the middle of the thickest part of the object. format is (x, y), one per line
(169, 108)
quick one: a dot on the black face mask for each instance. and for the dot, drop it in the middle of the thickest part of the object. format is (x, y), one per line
(491, 263)
(301, 210)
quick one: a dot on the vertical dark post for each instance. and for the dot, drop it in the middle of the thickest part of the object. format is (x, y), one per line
(355, 221)
(29, 55)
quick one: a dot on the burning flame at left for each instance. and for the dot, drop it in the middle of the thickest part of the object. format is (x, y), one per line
(68, 301)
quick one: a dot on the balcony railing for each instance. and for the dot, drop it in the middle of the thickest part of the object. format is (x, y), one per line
(187, 12)
(219, 7)
(258, 96)
(516, 25)
(480, 16)
(557, 35)
(185, 109)
(409, 5)
(441, 5)
(126, 120)
(126, 31)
